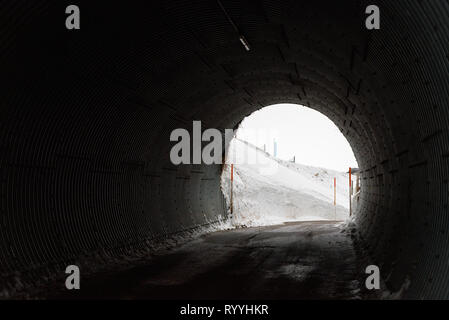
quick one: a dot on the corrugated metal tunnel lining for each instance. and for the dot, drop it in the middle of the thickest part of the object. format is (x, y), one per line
(85, 118)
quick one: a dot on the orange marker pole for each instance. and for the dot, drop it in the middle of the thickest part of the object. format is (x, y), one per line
(335, 191)
(350, 186)
(335, 197)
(232, 181)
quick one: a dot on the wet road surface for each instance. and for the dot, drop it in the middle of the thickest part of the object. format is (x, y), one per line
(301, 260)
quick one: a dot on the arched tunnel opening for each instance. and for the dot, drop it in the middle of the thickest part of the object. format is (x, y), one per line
(288, 162)
(86, 117)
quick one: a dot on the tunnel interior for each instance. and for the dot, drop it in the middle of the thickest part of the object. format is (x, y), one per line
(86, 115)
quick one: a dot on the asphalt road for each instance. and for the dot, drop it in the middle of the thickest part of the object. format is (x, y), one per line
(305, 260)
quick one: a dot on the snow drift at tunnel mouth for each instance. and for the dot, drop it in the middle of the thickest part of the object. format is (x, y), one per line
(290, 192)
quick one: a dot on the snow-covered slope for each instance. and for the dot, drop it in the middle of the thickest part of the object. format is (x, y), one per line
(269, 190)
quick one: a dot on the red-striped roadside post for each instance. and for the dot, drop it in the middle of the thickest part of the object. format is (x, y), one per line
(335, 191)
(350, 191)
(335, 197)
(232, 181)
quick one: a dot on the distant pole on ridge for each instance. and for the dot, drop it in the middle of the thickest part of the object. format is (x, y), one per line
(275, 148)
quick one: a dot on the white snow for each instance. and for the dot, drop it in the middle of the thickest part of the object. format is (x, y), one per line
(270, 191)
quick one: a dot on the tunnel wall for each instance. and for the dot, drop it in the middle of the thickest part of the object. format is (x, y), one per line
(86, 115)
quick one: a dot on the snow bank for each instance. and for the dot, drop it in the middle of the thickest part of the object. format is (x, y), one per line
(271, 191)
(20, 286)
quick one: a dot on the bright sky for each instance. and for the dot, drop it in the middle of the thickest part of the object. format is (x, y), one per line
(299, 131)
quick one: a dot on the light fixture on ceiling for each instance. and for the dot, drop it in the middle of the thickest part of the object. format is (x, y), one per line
(245, 43)
(242, 38)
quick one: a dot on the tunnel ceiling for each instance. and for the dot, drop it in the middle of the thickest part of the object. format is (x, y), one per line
(85, 119)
